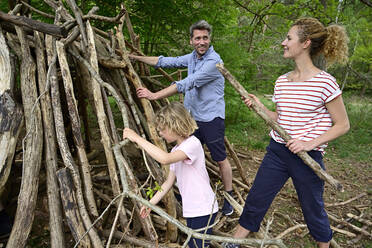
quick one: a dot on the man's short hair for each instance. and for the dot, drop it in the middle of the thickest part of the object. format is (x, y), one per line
(200, 25)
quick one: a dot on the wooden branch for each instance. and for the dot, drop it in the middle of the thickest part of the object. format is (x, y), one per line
(65, 151)
(345, 223)
(237, 162)
(32, 145)
(34, 25)
(37, 11)
(361, 220)
(275, 126)
(11, 115)
(72, 214)
(79, 19)
(345, 202)
(54, 199)
(102, 119)
(149, 112)
(76, 131)
(291, 229)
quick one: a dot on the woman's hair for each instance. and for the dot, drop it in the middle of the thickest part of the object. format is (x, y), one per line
(177, 119)
(200, 25)
(329, 41)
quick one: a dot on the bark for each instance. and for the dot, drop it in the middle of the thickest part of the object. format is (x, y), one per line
(274, 125)
(71, 210)
(34, 25)
(11, 115)
(32, 149)
(50, 150)
(237, 162)
(103, 121)
(76, 131)
(68, 159)
(149, 112)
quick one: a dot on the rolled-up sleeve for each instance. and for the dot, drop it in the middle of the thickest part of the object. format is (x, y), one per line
(173, 62)
(207, 73)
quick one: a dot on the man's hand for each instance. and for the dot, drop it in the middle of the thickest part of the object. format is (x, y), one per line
(296, 145)
(145, 93)
(129, 134)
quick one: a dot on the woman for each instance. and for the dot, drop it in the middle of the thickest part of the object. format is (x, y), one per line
(310, 108)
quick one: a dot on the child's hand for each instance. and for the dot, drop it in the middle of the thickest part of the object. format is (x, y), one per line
(144, 212)
(129, 134)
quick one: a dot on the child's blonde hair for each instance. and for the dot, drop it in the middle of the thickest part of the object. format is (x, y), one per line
(177, 119)
(330, 41)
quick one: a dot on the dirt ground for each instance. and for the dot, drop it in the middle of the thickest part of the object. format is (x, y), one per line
(285, 210)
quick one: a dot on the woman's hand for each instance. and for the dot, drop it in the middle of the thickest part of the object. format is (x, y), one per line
(296, 145)
(249, 101)
(129, 134)
(145, 212)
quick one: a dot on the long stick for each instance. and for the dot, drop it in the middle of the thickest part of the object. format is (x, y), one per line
(274, 125)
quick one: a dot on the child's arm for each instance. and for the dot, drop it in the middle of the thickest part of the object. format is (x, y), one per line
(165, 187)
(154, 151)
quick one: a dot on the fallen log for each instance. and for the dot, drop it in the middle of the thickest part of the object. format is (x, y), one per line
(275, 126)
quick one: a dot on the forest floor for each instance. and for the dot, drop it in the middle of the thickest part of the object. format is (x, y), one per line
(285, 210)
(356, 179)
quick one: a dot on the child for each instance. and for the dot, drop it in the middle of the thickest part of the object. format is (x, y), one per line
(187, 164)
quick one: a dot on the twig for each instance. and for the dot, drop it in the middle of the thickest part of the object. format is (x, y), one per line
(345, 202)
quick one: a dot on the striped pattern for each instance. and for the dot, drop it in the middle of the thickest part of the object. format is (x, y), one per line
(301, 106)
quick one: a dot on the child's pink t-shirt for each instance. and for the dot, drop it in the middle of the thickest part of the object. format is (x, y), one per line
(193, 180)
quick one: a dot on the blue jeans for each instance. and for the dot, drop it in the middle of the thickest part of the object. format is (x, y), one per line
(277, 166)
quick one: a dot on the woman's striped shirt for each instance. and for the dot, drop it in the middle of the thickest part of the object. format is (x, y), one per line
(301, 106)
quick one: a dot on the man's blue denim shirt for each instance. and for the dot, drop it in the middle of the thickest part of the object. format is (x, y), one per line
(203, 87)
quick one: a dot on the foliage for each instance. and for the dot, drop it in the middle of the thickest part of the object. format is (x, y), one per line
(151, 191)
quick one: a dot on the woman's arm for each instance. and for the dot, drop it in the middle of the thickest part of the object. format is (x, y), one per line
(165, 187)
(155, 152)
(341, 125)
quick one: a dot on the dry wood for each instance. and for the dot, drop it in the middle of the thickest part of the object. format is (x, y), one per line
(66, 154)
(11, 115)
(102, 120)
(360, 219)
(34, 25)
(71, 210)
(289, 230)
(54, 200)
(76, 131)
(353, 227)
(169, 199)
(79, 20)
(345, 202)
(236, 160)
(32, 149)
(275, 126)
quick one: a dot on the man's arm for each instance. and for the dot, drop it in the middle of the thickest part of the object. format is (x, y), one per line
(150, 60)
(145, 93)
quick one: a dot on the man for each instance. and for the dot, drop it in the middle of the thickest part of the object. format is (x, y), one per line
(204, 95)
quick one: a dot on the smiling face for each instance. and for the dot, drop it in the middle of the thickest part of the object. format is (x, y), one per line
(200, 41)
(293, 48)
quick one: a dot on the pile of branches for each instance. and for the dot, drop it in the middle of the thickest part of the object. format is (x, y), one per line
(64, 68)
